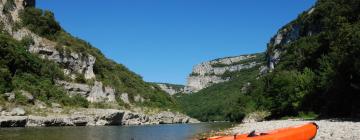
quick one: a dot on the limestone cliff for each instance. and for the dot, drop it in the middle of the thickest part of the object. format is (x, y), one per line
(171, 88)
(212, 72)
(286, 35)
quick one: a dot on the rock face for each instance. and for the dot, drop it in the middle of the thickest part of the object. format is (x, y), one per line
(10, 96)
(125, 98)
(75, 64)
(94, 93)
(257, 116)
(171, 89)
(95, 117)
(18, 111)
(211, 72)
(286, 35)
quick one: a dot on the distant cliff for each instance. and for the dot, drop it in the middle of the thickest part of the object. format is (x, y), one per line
(212, 72)
(171, 88)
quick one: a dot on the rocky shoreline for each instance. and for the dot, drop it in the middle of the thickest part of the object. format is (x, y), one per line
(95, 117)
(334, 129)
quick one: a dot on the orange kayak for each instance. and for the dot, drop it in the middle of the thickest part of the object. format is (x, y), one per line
(301, 132)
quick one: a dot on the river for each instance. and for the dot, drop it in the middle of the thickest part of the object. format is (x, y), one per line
(147, 132)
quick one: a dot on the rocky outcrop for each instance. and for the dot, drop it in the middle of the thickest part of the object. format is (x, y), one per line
(125, 98)
(18, 111)
(196, 83)
(74, 64)
(138, 98)
(256, 116)
(95, 93)
(95, 117)
(209, 73)
(13, 121)
(171, 89)
(286, 35)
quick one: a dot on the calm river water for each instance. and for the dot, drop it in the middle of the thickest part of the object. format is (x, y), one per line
(148, 132)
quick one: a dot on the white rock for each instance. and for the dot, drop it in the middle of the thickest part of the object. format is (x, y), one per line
(40, 104)
(138, 98)
(27, 95)
(209, 73)
(94, 93)
(125, 98)
(55, 105)
(18, 111)
(10, 96)
(168, 89)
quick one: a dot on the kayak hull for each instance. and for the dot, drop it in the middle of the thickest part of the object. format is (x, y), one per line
(301, 132)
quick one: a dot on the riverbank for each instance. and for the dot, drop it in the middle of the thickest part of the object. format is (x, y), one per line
(95, 117)
(328, 129)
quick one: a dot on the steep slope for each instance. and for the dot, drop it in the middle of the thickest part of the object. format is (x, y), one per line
(219, 100)
(313, 67)
(315, 62)
(40, 58)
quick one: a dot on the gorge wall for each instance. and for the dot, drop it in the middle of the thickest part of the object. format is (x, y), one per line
(87, 78)
(75, 64)
(171, 88)
(212, 72)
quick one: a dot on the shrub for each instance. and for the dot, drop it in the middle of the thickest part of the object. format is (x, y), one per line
(20, 99)
(27, 41)
(9, 6)
(40, 22)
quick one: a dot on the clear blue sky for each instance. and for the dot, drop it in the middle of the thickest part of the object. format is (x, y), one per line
(162, 40)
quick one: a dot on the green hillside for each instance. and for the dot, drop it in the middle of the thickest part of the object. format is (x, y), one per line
(21, 70)
(225, 101)
(318, 71)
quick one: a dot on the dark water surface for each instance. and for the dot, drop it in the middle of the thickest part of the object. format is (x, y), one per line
(148, 132)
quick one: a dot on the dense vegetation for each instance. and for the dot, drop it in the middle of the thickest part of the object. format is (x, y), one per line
(9, 6)
(41, 73)
(21, 70)
(225, 101)
(319, 72)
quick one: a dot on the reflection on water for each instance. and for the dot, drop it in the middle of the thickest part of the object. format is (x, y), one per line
(148, 132)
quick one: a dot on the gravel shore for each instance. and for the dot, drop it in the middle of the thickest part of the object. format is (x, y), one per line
(328, 129)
